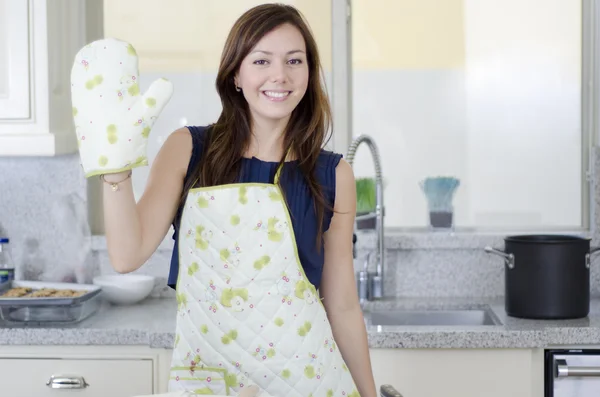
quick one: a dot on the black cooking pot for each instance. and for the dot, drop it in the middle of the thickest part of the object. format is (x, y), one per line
(546, 276)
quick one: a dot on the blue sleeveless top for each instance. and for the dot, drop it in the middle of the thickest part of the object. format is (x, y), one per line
(298, 197)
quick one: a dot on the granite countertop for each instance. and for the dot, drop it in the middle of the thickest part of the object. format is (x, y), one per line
(152, 323)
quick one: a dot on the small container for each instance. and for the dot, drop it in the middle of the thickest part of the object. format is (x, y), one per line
(439, 193)
(441, 219)
(7, 268)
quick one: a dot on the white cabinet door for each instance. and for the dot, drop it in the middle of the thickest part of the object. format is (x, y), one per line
(456, 372)
(38, 42)
(14, 60)
(98, 378)
(449, 372)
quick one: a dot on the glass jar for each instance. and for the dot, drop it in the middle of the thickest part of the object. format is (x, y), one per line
(7, 268)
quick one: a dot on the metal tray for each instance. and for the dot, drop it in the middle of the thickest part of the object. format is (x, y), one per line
(44, 310)
(91, 291)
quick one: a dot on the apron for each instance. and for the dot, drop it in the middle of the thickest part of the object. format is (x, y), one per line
(247, 314)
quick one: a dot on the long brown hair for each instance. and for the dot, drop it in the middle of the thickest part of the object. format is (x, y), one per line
(308, 127)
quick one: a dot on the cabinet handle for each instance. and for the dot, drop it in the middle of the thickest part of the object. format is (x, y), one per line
(66, 382)
(563, 370)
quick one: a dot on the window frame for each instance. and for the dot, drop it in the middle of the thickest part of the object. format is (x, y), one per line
(341, 74)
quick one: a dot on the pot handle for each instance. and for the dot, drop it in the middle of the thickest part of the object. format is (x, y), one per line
(588, 259)
(509, 259)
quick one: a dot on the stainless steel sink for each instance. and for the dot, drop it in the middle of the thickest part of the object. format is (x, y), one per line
(464, 317)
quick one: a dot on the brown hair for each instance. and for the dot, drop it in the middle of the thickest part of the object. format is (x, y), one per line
(228, 138)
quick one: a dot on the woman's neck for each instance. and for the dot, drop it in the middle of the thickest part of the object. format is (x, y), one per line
(267, 141)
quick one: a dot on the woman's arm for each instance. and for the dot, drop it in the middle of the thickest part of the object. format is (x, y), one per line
(338, 286)
(134, 231)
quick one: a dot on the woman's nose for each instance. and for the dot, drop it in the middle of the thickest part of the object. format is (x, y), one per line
(279, 72)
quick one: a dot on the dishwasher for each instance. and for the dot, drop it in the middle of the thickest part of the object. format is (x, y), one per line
(572, 373)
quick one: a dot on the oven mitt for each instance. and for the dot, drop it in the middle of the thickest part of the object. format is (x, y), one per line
(112, 118)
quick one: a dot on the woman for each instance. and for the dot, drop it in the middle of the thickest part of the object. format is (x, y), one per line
(208, 181)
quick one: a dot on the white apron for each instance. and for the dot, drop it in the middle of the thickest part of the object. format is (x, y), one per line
(247, 314)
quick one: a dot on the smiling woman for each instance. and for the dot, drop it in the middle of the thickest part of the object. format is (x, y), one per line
(256, 202)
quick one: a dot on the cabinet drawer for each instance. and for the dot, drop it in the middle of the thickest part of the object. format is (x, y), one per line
(114, 378)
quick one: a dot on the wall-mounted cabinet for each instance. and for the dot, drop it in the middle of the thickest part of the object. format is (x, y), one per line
(38, 43)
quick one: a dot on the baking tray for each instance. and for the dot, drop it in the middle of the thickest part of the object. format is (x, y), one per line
(90, 291)
(48, 309)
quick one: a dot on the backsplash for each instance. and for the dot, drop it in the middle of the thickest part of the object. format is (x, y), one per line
(44, 201)
(43, 205)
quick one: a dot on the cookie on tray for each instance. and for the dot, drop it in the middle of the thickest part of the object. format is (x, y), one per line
(43, 293)
(68, 293)
(16, 292)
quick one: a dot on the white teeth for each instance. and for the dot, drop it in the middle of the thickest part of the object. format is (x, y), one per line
(274, 94)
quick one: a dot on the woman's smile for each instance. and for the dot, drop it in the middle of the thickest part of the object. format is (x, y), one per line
(276, 96)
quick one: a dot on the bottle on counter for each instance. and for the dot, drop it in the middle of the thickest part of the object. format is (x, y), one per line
(7, 268)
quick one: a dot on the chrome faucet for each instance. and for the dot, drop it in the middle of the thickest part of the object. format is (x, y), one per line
(375, 281)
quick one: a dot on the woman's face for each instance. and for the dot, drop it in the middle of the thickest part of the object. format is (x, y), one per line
(274, 76)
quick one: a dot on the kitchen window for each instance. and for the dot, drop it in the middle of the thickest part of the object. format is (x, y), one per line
(490, 92)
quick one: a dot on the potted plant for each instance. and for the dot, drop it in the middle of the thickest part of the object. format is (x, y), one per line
(365, 202)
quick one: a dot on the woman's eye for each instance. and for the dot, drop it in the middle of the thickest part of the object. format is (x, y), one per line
(295, 61)
(260, 62)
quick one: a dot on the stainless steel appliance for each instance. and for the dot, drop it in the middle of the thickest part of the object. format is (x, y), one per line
(572, 373)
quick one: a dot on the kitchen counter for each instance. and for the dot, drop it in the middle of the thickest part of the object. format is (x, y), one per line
(152, 323)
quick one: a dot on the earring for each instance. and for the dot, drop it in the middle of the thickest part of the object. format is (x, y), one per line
(238, 89)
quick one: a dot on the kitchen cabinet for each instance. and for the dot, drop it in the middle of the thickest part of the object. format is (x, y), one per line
(125, 371)
(93, 371)
(460, 372)
(87, 377)
(454, 372)
(38, 42)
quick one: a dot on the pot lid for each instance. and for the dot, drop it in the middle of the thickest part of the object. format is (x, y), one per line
(546, 239)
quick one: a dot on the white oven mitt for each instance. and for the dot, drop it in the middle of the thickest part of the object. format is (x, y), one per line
(112, 119)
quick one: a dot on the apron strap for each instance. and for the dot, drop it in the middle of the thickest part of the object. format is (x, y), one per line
(280, 167)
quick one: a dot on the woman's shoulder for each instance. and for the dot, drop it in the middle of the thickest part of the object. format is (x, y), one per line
(183, 135)
(329, 164)
(198, 133)
(326, 172)
(328, 160)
